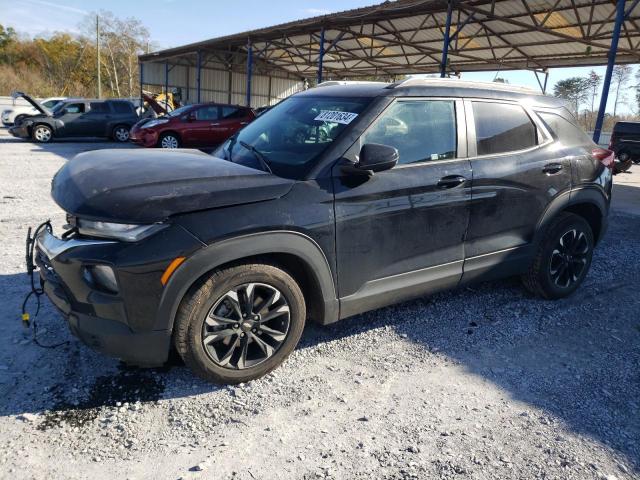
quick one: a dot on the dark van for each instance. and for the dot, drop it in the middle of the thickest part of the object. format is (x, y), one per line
(625, 142)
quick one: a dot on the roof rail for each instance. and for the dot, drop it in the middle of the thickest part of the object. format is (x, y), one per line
(451, 82)
(329, 83)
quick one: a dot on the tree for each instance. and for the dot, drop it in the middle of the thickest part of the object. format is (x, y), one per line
(121, 41)
(574, 89)
(621, 76)
(593, 83)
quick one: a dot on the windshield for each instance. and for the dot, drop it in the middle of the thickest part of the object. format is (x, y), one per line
(179, 111)
(291, 135)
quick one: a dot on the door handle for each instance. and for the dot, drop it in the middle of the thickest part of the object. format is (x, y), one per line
(215, 124)
(450, 181)
(552, 168)
(244, 123)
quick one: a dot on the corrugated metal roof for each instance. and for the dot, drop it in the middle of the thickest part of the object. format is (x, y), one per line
(406, 36)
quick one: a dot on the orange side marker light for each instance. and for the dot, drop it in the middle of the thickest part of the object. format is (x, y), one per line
(170, 269)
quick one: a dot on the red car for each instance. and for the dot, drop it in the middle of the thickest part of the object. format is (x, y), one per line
(200, 125)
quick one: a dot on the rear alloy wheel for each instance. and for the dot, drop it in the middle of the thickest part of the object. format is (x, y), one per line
(42, 133)
(241, 323)
(121, 133)
(563, 258)
(169, 140)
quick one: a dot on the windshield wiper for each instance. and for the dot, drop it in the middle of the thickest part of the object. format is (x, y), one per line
(259, 155)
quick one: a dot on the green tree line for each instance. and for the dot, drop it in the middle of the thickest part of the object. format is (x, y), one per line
(66, 65)
(582, 93)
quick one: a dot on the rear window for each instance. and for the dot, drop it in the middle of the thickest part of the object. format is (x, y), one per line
(122, 107)
(502, 127)
(563, 129)
(99, 107)
(233, 112)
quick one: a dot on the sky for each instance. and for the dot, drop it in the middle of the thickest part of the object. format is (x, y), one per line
(177, 22)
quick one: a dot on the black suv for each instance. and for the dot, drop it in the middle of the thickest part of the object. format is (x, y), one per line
(625, 142)
(339, 200)
(80, 118)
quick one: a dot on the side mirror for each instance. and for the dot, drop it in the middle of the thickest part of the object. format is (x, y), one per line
(61, 112)
(374, 157)
(191, 117)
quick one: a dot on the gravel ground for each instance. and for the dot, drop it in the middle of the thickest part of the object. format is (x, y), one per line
(484, 382)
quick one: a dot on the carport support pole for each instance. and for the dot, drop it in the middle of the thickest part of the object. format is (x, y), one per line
(249, 71)
(198, 72)
(321, 56)
(447, 39)
(613, 50)
(166, 80)
(141, 68)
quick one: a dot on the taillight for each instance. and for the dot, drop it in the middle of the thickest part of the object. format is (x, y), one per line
(611, 142)
(606, 157)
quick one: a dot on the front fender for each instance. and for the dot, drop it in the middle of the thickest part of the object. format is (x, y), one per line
(237, 248)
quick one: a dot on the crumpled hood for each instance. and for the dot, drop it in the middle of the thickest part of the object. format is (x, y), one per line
(147, 186)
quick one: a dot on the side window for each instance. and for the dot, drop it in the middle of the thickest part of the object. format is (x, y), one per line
(502, 127)
(231, 112)
(74, 107)
(566, 131)
(207, 113)
(99, 107)
(421, 130)
(122, 107)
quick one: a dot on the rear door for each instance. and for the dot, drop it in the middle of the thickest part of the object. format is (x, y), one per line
(95, 121)
(400, 233)
(518, 170)
(231, 120)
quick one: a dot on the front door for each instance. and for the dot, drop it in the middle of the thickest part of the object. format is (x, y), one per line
(72, 120)
(400, 233)
(199, 130)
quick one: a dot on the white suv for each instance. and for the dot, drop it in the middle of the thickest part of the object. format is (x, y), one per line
(12, 115)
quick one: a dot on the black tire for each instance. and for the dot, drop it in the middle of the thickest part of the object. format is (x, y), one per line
(169, 140)
(41, 133)
(194, 323)
(544, 277)
(120, 133)
(622, 163)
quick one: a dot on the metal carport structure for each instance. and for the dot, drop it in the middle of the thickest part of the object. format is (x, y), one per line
(399, 38)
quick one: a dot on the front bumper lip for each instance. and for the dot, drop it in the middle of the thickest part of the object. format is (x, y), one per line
(20, 131)
(53, 246)
(102, 327)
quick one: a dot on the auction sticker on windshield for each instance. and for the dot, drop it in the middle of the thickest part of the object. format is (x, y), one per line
(338, 117)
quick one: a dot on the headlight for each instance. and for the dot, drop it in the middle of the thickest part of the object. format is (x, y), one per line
(154, 123)
(120, 231)
(6, 112)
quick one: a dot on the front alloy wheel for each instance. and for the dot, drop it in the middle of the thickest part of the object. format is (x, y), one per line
(246, 326)
(169, 141)
(42, 134)
(240, 323)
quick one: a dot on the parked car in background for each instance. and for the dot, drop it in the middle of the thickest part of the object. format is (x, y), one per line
(199, 125)
(338, 200)
(80, 118)
(625, 142)
(17, 113)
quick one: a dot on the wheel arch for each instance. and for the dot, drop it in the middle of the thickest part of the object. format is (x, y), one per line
(590, 203)
(295, 252)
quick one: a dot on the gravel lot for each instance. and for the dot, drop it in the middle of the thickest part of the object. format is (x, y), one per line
(478, 383)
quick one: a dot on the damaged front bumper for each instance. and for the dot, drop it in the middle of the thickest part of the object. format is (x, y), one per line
(97, 317)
